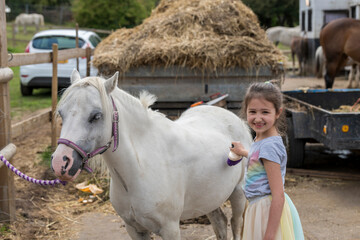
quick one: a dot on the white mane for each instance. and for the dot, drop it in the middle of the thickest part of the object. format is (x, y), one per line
(145, 99)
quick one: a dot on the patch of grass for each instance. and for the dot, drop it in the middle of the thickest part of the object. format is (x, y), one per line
(283, 47)
(19, 104)
(46, 156)
(19, 46)
(4, 229)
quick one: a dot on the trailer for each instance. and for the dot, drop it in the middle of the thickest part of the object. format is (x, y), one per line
(178, 87)
(326, 116)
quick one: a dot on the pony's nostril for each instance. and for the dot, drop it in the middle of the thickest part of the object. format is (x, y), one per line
(67, 160)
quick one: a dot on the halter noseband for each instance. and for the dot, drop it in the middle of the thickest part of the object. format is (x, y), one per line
(86, 156)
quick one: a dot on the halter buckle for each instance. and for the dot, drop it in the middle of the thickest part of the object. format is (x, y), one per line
(115, 117)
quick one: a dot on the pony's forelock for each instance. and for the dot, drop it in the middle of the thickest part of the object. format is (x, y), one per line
(96, 82)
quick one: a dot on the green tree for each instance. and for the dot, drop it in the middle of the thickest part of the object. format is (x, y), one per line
(105, 14)
(275, 12)
(149, 4)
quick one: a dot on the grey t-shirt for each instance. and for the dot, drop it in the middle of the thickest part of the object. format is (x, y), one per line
(256, 180)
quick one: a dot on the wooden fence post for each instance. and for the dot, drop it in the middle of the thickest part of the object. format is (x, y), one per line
(13, 35)
(7, 193)
(77, 45)
(54, 95)
(88, 58)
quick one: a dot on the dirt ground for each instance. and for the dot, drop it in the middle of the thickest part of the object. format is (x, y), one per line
(328, 208)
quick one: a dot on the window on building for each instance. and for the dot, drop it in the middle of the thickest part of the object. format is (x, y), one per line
(332, 15)
(309, 20)
(353, 12)
(303, 21)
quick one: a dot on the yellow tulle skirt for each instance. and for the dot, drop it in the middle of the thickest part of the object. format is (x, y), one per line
(256, 219)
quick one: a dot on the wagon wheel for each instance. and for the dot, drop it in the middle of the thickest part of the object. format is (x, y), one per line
(295, 147)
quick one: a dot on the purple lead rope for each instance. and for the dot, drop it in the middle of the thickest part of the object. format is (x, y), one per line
(30, 179)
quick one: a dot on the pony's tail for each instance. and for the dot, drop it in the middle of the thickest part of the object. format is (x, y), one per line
(319, 64)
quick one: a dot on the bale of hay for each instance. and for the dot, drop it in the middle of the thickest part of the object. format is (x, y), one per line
(207, 35)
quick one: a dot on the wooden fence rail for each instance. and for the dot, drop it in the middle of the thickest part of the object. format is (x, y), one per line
(8, 152)
(86, 29)
(20, 59)
(7, 193)
(14, 40)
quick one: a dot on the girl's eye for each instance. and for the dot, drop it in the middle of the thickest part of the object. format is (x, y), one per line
(96, 117)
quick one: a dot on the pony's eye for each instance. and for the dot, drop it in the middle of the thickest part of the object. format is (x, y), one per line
(60, 114)
(95, 117)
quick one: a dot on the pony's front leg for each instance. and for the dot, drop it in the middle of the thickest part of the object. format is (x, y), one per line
(171, 231)
(136, 235)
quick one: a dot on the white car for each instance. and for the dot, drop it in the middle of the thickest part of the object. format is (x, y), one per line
(40, 75)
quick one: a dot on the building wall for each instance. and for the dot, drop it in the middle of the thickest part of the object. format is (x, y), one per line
(313, 14)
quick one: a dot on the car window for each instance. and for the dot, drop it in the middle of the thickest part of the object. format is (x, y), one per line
(94, 40)
(62, 41)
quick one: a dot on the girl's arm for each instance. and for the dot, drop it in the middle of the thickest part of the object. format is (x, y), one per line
(239, 149)
(277, 191)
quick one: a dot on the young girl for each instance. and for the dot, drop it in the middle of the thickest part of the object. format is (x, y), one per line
(270, 213)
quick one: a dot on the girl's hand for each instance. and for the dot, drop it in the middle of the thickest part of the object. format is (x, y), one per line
(239, 149)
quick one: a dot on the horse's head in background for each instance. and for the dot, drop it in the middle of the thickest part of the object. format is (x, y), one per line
(86, 112)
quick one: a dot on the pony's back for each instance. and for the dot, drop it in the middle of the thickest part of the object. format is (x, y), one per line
(212, 118)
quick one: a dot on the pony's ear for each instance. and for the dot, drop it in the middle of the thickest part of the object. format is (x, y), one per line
(75, 76)
(111, 83)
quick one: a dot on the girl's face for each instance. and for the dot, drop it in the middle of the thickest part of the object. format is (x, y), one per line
(261, 116)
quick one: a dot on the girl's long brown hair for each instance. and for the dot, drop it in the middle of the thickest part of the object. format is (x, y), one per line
(271, 93)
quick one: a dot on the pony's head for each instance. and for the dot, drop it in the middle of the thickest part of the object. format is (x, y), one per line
(86, 112)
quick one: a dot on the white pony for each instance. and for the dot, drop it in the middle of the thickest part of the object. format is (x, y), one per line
(283, 35)
(25, 19)
(320, 69)
(162, 171)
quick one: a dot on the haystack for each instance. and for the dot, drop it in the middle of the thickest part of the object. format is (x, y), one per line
(206, 35)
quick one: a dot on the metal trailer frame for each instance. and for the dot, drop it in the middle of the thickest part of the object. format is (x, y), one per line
(314, 121)
(176, 88)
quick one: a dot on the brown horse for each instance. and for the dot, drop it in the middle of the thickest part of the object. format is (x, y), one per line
(339, 40)
(299, 47)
